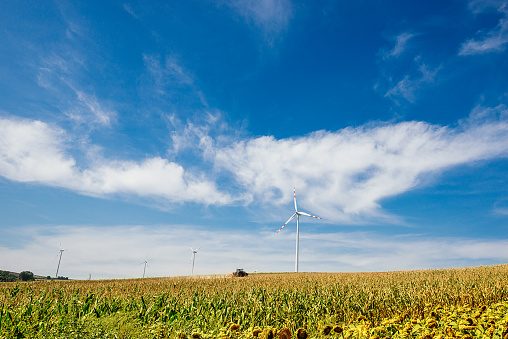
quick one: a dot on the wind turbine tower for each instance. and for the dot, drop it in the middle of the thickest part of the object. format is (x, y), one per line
(193, 258)
(144, 269)
(59, 260)
(297, 214)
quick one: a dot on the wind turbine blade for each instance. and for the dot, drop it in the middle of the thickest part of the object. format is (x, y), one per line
(286, 222)
(199, 248)
(309, 215)
(294, 197)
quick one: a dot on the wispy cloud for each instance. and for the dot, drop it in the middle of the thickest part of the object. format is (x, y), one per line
(167, 72)
(417, 77)
(408, 87)
(91, 111)
(76, 26)
(494, 40)
(59, 76)
(346, 174)
(401, 41)
(79, 106)
(116, 252)
(271, 16)
(501, 207)
(168, 77)
(203, 135)
(479, 6)
(405, 88)
(128, 9)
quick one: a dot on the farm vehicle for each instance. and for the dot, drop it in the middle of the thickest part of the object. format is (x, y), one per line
(240, 272)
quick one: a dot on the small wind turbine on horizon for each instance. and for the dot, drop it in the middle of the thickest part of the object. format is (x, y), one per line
(193, 258)
(60, 259)
(144, 269)
(297, 214)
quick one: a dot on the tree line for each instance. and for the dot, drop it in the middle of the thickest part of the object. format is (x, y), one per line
(6, 276)
(23, 276)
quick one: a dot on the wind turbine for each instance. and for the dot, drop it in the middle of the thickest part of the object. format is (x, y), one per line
(144, 269)
(193, 257)
(297, 213)
(60, 259)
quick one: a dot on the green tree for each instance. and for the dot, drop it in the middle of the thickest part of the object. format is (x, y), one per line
(26, 276)
(6, 276)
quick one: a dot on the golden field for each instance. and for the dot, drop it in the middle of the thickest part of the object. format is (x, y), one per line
(454, 303)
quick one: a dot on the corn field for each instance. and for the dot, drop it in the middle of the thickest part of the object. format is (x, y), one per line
(458, 303)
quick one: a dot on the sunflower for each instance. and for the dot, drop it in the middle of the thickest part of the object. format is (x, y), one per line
(268, 334)
(326, 330)
(302, 333)
(338, 329)
(285, 333)
(256, 332)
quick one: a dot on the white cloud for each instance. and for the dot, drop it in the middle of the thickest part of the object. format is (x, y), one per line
(191, 136)
(116, 252)
(342, 176)
(494, 40)
(154, 177)
(32, 151)
(345, 174)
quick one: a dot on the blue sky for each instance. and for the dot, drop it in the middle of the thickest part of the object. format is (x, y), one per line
(131, 130)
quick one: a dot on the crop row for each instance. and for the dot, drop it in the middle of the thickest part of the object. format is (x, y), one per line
(361, 304)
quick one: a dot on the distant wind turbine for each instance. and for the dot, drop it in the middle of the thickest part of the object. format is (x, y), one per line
(144, 269)
(60, 259)
(193, 258)
(297, 213)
